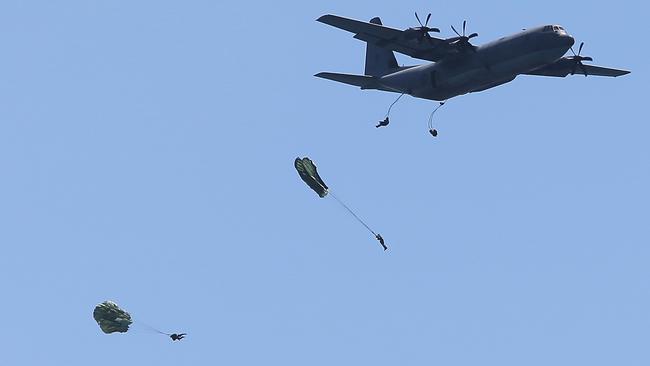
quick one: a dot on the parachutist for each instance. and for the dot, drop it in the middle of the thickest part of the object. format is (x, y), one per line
(177, 337)
(381, 241)
(383, 123)
(309, 174)
(433, 132)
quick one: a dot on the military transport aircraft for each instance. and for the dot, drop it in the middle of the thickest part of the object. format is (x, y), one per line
(457, 67)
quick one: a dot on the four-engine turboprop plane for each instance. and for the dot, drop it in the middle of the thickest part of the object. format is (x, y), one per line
(458, 67)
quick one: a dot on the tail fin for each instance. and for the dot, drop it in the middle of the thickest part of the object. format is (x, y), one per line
(379, 61)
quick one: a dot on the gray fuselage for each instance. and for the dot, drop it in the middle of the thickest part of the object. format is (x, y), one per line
(491, 64)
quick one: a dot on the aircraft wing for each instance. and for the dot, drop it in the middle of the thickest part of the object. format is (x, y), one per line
(431, 49)
(565, 66)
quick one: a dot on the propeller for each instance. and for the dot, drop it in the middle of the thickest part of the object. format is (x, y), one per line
(462, 41)
(577, 60)
(423, 30)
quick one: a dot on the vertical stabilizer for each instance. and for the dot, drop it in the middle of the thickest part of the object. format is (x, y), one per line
(379, 61)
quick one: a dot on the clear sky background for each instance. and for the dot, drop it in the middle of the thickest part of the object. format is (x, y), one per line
(146, 157)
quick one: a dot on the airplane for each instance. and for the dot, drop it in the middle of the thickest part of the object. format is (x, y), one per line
(457, 67)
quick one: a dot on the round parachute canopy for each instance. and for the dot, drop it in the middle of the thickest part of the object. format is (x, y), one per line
(308, 173)
(111, 318)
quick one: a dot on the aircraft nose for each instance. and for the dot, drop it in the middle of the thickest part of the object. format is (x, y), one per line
(569, 40)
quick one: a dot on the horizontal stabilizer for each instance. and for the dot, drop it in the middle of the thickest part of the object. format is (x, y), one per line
(362, 81)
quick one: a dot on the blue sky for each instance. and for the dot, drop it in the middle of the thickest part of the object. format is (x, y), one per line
(147, 149)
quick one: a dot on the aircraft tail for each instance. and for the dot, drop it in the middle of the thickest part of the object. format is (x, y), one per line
(379, 61)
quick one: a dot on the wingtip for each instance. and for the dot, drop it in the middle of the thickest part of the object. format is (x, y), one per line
(621, 73)
(323, 18)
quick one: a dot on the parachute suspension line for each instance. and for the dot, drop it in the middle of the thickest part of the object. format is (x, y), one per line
(152, 328)
(432, 113)
(352, 212)
(432, 130)
(386, 120)
(391, 106)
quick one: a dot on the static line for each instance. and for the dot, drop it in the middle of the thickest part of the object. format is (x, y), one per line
(353, 214)
(432, 113)
(391, 106)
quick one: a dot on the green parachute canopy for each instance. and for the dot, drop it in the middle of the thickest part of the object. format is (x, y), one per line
(111, 318)
(308, 173)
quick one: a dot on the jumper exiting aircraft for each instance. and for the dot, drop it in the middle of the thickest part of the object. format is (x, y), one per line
(457, 67)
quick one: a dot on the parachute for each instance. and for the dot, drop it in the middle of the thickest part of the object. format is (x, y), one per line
(111, 318)
(309, 174)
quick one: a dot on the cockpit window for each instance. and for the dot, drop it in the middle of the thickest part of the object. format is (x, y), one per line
(553, 28)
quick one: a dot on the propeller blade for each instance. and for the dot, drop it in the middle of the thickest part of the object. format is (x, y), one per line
(472, 35)
(427, 22)
(455, 31)
(587, 58)
(464, 24)
(572, 51)
(436, 30)
(418, 18)
(580, 49)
